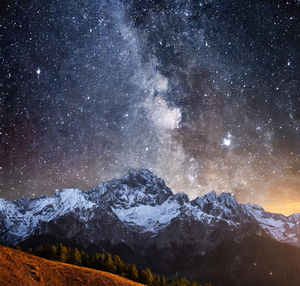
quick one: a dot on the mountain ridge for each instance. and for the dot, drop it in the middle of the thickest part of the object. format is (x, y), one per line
(142, 202)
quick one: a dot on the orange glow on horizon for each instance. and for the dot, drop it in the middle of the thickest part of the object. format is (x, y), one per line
(286, 209)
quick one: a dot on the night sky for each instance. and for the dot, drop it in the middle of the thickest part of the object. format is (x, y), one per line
(203, 93)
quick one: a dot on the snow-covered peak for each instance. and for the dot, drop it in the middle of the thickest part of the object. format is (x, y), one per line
(227, 200)
(254, 207)
(144, 177)
(211, 196)
(295, 218)
(206, 199)
(135, 188)
(69, 199)
(280, 227)
(24, 216)
(138, 177)
(4, 205)
(181, 198)
(224, 205)
(8, 208)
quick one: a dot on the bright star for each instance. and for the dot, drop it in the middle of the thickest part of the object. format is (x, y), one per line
(227, 140)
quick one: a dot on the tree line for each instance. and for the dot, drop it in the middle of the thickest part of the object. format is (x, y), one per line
(106, 262)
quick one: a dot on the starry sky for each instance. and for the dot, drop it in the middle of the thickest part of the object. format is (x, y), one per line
(205, 93)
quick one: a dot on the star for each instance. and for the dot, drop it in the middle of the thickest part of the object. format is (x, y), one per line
(227, 140)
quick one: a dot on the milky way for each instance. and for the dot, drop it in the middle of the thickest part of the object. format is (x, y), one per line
(203, 93)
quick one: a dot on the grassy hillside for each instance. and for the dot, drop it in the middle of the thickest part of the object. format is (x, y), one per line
(19, 268)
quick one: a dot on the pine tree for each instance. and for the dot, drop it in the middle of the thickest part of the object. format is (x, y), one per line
(156, 280)
(109, 264)
(119, 264)
(93, 261)
(52, 251)
(146, 276)
(183, 282)
(101, 260)
(62, 253)
(47, 251)
(75, 256)
(40, 250)
(132, 272)
(85, 257)
(163, 281)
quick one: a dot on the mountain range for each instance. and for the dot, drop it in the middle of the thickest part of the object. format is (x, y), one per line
(211, 238)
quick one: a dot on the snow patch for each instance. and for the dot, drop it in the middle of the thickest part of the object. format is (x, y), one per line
(148, 217)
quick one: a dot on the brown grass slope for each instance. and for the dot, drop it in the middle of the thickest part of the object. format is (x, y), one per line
(19, 268)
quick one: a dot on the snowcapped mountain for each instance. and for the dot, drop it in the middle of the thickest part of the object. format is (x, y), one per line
(280, 227)
(139, 203)
(139, 218)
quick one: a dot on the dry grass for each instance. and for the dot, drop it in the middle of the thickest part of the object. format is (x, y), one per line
(21, 269)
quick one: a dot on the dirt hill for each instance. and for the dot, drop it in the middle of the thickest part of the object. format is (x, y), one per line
(21, 269)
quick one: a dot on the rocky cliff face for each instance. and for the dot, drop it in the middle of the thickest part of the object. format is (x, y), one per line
(139, 217)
